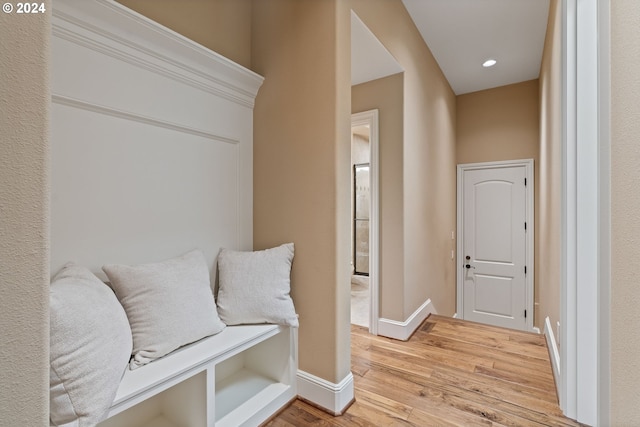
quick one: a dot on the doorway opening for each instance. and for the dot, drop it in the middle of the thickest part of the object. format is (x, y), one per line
(370, 60)
(364, 224)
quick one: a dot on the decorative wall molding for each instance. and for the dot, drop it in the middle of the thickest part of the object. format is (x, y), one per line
(554, 354)
(144, 118)
(403, 330)
(113, 112)
(331, 397)
(99, 25)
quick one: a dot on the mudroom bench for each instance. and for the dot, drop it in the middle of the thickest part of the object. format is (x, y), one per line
(152, 154)
(239, 377)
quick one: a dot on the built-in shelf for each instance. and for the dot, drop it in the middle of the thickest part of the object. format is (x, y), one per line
(239, 377)
(237, 389)
(239, 394)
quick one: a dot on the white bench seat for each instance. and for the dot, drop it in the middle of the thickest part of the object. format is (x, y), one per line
(240, 376)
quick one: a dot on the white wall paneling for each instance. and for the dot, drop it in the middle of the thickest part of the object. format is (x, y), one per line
(152, 141)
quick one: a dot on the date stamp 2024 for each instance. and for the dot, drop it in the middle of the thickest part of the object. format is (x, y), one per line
(24, 8)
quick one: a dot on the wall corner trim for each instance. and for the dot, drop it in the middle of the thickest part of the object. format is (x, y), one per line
(554, 354)
(403, 330)
(331, 397)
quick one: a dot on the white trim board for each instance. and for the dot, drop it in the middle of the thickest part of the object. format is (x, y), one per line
(403, 330)
(585, 286)
(334, 398)
(530, 212)
(554, 354)
(70, 102)
(99, 25)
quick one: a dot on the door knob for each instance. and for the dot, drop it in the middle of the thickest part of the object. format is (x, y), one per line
(469, 266)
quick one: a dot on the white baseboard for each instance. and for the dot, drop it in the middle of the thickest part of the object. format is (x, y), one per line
(535, 330)
(553, 351)
(455, 315)
(334, 398)
(403, 330)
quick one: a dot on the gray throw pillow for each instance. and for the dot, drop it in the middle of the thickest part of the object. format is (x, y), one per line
(255, 286)
(90, 348)
(169, 304)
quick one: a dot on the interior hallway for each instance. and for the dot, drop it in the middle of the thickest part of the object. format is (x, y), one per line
(450, 372)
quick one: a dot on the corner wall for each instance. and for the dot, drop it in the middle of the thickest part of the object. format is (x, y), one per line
(549, 251)
(625, 205)
(428, 184)
(24, 218)
(302, 153)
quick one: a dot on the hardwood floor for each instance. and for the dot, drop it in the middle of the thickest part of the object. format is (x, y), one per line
(450, 373)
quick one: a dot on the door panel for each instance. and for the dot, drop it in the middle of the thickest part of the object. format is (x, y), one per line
(494, 240)
(492, 202)
(493, 295)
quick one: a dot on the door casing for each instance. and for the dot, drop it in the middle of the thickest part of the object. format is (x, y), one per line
(529, 237)
(371, 119)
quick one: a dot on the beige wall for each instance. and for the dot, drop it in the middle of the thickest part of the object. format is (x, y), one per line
(625, 209)
(302, 160)
(498, 124)
(223, 26)
(24, 219)
(24, 98)
(387, 96)
(502, 124)
(294, 47)
(548, 250)
(428, 162)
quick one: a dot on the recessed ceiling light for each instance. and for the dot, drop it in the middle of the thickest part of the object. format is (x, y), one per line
(489, 63)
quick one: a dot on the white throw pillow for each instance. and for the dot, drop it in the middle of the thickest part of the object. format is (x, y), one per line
(169, 304)
(89, 350)
(255, 286)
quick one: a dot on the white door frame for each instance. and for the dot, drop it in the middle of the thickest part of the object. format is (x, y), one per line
(370, 118)
(585, 286)
(529, 236)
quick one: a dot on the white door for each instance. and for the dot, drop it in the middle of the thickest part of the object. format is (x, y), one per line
(494, 234)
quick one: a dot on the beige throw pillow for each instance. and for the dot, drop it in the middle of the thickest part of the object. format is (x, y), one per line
(255, 286)
(89, 350)
(169, 304)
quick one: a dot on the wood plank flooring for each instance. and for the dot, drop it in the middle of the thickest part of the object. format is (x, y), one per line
(450, 373)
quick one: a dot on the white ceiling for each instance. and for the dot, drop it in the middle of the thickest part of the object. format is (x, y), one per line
(462, 34)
